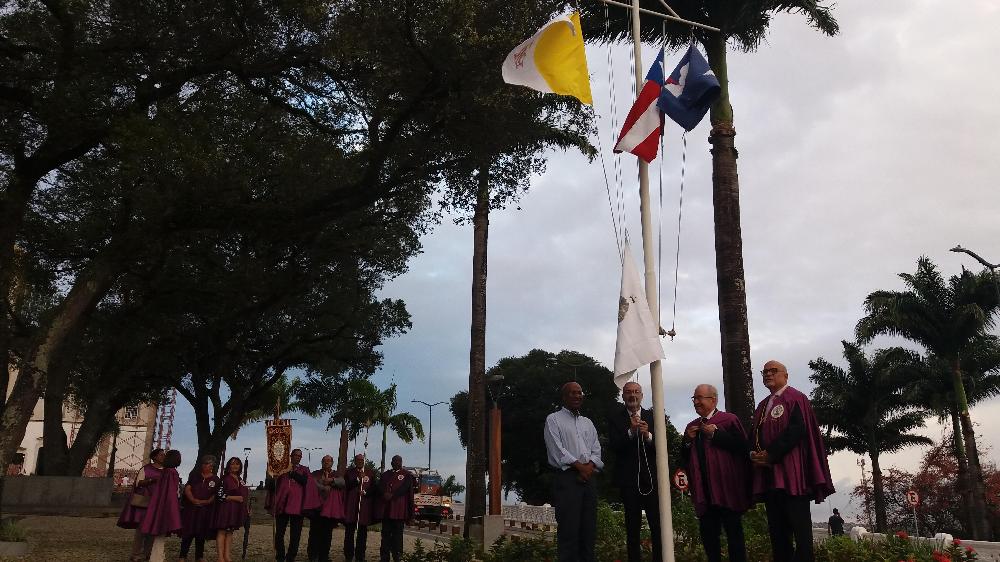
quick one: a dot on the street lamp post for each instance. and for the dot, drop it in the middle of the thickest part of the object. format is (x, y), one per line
(990, 266)
(309, 451)
(430, 426)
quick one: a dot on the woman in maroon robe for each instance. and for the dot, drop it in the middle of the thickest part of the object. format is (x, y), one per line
(233, 508)
(198, 508)
(131, 515)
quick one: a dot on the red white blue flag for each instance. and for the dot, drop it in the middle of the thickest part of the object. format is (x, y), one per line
(641, 133)
(690, 91)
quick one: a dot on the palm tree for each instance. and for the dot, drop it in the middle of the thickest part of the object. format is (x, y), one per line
(349, 403)
(405, 425)
(451, 487)
(947, 319)
(933, 389)
(744, 25)
(866, 410)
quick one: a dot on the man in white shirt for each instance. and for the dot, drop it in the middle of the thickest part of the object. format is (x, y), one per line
(574, 452)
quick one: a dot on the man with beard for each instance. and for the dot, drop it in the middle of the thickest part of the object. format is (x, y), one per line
(574, 452)
(635, 469)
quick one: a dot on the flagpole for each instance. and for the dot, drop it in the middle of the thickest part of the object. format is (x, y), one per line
(655, 368)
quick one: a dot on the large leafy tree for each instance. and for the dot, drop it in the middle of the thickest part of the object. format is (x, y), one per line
(528, 393)
(948, 318)
(867, 410)
(744, 26)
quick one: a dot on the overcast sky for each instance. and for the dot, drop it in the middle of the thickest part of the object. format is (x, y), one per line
(858, 154)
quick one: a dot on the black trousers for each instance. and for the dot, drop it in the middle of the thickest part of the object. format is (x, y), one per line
(788, 518)
(392, 540)
(284, 521)
(354, 544)
(320, 537)
(199, 546)
(635, 503)
(711, 525)
(576, 513)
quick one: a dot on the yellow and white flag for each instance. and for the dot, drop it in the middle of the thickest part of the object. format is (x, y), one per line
(638, 335)
(552, 61)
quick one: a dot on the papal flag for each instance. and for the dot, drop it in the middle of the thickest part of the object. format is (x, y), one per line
(552, 60)
(638, 335)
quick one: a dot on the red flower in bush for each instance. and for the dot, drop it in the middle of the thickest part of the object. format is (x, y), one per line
(957, 542)
(902, 534)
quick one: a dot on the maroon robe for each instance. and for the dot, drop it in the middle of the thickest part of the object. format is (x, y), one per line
(230, 515)
(728, 472)
(163, 515)
(292, 498)
(351, 502)
(804, 471)
(199, 520)
(131, 516)
(331, 500)
(399, 484)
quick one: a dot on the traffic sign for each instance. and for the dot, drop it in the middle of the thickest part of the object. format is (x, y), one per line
(912, 498)
(681, 480)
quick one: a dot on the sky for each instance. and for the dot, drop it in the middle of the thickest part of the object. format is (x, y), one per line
(857, 154)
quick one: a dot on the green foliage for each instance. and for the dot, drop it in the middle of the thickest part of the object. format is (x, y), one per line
(11, 532)
(893, 547)
(522, 549)
(456, 550)
(451, 486)
(528, 393)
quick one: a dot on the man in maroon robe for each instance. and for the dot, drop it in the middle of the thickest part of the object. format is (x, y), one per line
(396, 486)
(790, 468)
(714, 450)
(359, 503)
(294, 494)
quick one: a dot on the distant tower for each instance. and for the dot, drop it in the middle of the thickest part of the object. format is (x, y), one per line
(165, 423)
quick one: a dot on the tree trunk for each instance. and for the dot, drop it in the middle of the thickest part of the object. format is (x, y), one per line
(964, 490)
(979, 516)
(46, 351)
(345, 440)
(878, 494)
(55, 443)
(737, 374)
(476, 461)
(385, 433)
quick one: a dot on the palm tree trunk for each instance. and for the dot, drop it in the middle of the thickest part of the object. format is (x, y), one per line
(381, 466)
(964, 490)
(345, 439)
(737, 374)
(878, 494)
(978, 515)
(476, 461)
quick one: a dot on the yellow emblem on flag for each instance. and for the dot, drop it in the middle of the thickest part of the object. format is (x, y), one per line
(553, 60)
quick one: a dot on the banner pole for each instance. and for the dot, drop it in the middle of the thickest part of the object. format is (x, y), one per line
(655, 368)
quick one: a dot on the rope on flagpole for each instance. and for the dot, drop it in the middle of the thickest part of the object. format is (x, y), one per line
(615, 204)
(677, 256)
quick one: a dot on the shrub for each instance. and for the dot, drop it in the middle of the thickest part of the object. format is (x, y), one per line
(11, 532)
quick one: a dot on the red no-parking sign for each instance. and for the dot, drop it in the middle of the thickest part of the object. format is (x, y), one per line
(912, 498)
(681, 480)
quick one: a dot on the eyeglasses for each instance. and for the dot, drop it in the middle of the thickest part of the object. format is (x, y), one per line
(697, 398)
(772, 370)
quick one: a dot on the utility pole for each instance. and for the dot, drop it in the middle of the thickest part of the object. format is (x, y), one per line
(430, 426)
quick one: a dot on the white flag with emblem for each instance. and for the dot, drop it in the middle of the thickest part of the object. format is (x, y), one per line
(638, 335)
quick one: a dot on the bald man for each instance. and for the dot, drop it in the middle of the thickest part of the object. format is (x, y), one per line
(631, 442)
(789, 465)
(574, 452)
(714, 452)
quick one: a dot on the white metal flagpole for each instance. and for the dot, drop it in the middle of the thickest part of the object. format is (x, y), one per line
(655, 368)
